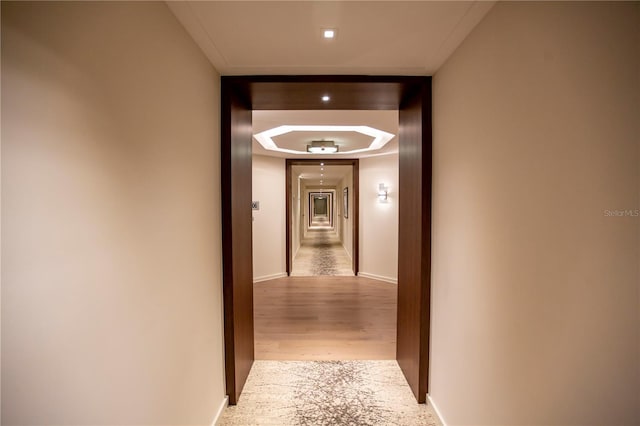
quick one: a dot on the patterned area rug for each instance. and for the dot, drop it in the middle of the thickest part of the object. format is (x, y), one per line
(321, 253)
(327, 393)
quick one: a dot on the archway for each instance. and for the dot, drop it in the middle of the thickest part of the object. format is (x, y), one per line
(412, 97)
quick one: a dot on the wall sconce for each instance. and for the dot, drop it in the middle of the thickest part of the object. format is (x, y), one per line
(383, 193)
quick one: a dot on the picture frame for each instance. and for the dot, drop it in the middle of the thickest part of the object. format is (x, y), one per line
(345, 202)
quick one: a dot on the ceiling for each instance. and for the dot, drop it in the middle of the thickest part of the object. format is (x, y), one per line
(399, 38)
(382, 120)
(285, 37)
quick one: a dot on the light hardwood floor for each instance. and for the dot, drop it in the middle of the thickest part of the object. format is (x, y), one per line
(325, 318)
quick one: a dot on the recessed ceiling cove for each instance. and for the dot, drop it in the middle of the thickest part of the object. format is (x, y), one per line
(356, 133)
(294, 139)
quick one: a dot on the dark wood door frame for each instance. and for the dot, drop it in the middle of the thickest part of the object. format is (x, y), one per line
(354, 163)
(412, 97)
(237, 260)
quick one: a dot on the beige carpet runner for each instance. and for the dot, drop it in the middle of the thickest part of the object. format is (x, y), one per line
(327, 393)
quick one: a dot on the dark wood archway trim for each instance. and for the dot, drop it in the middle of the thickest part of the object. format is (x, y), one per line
(237, 260)
(348, 92)
(412, 97)
(354, 163)
(414, 240)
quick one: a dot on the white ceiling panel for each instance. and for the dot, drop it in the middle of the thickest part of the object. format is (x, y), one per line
(285, 37)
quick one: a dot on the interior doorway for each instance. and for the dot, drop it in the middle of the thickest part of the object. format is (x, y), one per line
(411, 96)
(320, 206)
(340, 199)
(321, 209)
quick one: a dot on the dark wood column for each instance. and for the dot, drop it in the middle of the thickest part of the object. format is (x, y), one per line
(414, 238)
(236, 238)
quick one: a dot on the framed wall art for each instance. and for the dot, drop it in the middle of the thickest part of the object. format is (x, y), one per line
(345, 202)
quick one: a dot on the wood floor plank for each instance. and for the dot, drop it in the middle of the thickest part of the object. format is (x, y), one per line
(325, 318)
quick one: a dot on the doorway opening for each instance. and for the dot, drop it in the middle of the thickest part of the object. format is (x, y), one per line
(411, 96)
(321, 207)
(322, 217)
(322, 311)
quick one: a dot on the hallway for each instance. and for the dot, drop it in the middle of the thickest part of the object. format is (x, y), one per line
(321, 253)
(139, 207)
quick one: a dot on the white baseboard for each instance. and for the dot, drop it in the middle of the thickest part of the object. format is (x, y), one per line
(378, 277)
(435, 409)
(269, 277)
(223, 405)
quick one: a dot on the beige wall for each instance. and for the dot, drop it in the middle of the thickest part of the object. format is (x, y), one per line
(379, 221)
(535, 289)
(305, 189)
(346, 224)
(268, 174)
(111, 278)
(297, 223)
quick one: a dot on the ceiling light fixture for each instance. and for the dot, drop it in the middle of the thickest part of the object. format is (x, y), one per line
(266, 138)
(322, 147)
(326, 98)
(329, 33)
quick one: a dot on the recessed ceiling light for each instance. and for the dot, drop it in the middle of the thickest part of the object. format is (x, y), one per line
(326, 98)
(329, 33)
(322, 164)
